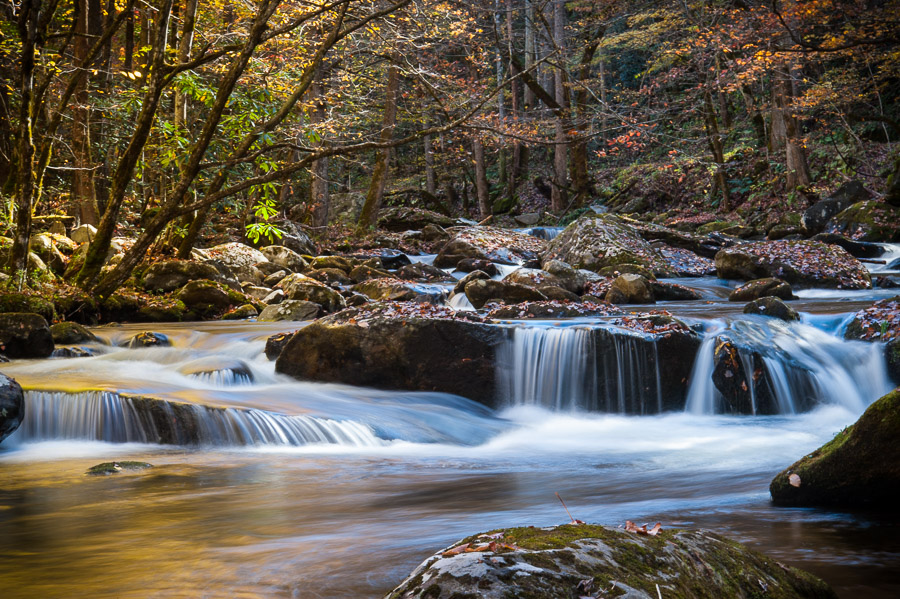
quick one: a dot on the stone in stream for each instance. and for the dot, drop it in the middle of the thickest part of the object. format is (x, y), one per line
(108, 468)
(302, 287)
(630, 289)
(289, 310)
(275, 344)
(480, 291)
(69, 333)
(880, 322)
(402, 291)
(586, 560)
(241, 312)
(868, 221)
(12, 406)
(805, 263)
(503, 246)
(25, 335)
(860, 467)
(771, 306)
(148, 339)
(758, 288)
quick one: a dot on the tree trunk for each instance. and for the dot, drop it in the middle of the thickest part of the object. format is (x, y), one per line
(318, 188)
(715, 146)
(84, 208)
(29, 14)
(430, 183)
(529, 50)
(481, 182)
(784, 122)
(379, 175)
(184, 53)
(128, 62)
(559, 196)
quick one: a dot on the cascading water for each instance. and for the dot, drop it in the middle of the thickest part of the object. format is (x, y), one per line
(586, 368)
(110, 417)
(795, 366)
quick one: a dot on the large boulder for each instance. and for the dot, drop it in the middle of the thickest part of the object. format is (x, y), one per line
(12, 406)
(819, 214)
(867, 221)
(399, 290)
(284, 257)
(289, 310)
(23, 302)
(235, 254)
(758, 288)
(803, 263)
(686, 263)
(69, 333)
(209, 296)
(25, 335)
(586, 560)
(597, 241)
(497, 245)
(880, 322)
(398, 346)
(860, 467)
(480, 291)
(170, 275)
(630, 289)
(301, 287)
(401, 218)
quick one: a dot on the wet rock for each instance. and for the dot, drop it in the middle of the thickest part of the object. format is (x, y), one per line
(860, 467)
(25, 335)
(398, 346)
(473, 264)
(805, 263)
(761, 288)
(148, 339)
(241, 313)
(503, 246)
(597, 241)
(857, 249)
(174, 274)
(290, 310)
(586, 560)
(621, 269)
(552, 309)
(867, 221)
(301, 287)
(434, 234)
(401, 291)
(880, 322)
(338, 262)
(275, 344)
(72, 352)
(69, 333)
(387, 258)
(742, 380)
(356, 299)
(424, 272)
(630, 289)
(819, 214)
(475, 275)
(771, 306)
(12, 406)
(396, 218)
(329, 276)
(673, 292)
(481, 290)
(109, 468)
(285, 257)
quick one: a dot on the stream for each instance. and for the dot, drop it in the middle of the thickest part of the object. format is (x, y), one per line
(282, 488)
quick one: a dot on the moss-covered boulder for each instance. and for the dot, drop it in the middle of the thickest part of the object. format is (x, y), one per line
(25, 335)
(880, 322)
(109, 468)
(68, 333)
(398, 346)
(301, 287)
(290, 310)
(867, 221)
(241, 313)
(399, 218)
(481, 291)
(597, 241)
(860, 467)
(23, 302)
(630, 289)
(174, 274)
(329, 276)
(583, 560)
(148, 339)
(12, 406)
(803, 263)
(338, 262)
(208, 297)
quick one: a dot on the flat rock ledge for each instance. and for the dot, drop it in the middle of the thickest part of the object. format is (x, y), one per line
(575, 561)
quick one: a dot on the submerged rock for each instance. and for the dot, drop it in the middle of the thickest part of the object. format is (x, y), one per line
(398, 346)
(806, 263)
(25, 335)
(597, 561)
(108, 468)
(860, 467)
(12, 406)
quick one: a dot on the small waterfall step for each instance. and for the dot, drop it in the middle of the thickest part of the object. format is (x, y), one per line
(116, 418)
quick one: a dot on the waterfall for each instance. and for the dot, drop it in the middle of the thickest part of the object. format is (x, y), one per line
(114, 418)
(793, 368)
(564, 368)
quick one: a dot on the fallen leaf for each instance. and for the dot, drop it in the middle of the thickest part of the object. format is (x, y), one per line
(794, 480)
(655, 530)
(456, 550)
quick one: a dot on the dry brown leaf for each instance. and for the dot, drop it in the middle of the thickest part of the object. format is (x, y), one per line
(496, 535)
(794, 480)
(655, 530)
(456, 550)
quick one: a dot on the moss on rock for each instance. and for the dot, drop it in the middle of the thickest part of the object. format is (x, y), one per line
(107, 468)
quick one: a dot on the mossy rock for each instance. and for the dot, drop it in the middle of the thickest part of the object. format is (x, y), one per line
(868, 221)
(108, 468)
(860, 467)
(581, 560)
(68, 333)
(22, 302)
